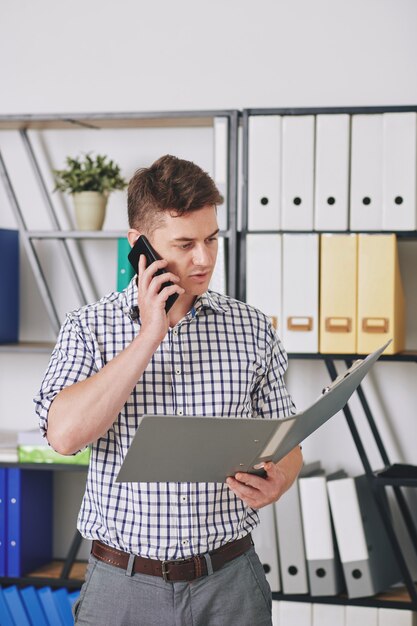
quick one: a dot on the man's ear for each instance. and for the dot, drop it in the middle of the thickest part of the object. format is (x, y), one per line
(132, 236)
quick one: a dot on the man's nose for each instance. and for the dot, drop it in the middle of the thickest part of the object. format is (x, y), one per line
(201, 256)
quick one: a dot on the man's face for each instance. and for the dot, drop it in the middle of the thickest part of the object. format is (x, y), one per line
(189, 243)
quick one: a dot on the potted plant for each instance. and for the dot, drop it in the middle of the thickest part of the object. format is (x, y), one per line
(90, 181)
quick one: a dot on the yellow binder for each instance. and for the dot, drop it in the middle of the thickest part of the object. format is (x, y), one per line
(381, 307)
(338, 288)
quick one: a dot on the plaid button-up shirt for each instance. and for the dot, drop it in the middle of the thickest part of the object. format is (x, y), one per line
(222, 359)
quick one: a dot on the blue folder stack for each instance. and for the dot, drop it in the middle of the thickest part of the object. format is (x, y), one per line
(36, 607)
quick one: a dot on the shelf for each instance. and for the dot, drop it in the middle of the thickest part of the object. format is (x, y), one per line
(50, 575)
(55, 467)
(39, 347)
(407, 355)
(86, 234)
(401, 234)
(397, 598)
(76, 234)
(164, 119)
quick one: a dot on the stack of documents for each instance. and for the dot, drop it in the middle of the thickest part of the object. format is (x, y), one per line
(331, 172)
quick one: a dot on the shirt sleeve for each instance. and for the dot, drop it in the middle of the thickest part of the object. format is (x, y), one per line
(271, 398)
(72, 360)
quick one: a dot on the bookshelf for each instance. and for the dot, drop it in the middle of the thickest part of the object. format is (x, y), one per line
(70, 572)
(99, 121)
(405, 598)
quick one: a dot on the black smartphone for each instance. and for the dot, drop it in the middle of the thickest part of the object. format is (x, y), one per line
(142, 246)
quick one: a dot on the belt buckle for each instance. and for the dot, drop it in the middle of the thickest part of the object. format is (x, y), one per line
(165, 570)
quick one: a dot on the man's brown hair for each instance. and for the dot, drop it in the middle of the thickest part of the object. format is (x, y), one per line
(169, 184)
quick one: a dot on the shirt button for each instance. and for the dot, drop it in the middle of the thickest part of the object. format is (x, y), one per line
(178, 370)
(175, 331)
(179, 411)
(183, 498)
(185, 542)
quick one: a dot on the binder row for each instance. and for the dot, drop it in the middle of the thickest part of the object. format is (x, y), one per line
(324, 537)
(25, 520)
(332, 172)
(309, 614)
(9, 282)
(329, 293)
(36, 607)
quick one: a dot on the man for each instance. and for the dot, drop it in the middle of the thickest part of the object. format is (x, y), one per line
(211, 355)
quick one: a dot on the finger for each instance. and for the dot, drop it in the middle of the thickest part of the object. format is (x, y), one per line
(241, 489)
(147, 274)
(141, 264)
(249, 496)
(169, 291)
(252, 480)
(158, 281)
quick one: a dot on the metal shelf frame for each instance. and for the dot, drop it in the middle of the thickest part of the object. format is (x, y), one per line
(377, 483)
(97, 121)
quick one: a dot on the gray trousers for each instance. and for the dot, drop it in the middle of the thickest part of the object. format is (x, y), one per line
(236, 595)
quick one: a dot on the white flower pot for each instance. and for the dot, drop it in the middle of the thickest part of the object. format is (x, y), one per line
(90, 209)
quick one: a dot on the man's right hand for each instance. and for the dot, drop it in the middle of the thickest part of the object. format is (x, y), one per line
(151, 301)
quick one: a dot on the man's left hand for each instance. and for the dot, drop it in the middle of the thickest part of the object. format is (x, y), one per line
(257, 492)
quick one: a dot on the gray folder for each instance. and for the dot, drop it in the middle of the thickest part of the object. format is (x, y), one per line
(377, 570)
(290, 535)
(169, 448)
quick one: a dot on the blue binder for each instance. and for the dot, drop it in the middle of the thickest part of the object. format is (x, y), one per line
(5, 616)
(9, 286)
(33, 607)
(3, 537)
(47, 600)
(63, 605)
(29, 520)
(16, 606)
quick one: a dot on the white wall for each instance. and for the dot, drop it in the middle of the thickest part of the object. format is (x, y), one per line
(136, 55)
(100, 55)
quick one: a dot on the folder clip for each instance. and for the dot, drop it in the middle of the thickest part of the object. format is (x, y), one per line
(337, 380)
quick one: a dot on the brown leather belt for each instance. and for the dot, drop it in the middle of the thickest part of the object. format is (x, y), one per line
(183, 570)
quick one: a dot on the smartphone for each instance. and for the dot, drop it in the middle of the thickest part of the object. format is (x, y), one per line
(142, 246)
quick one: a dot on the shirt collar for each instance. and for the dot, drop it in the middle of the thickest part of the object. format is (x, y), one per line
(207, 300)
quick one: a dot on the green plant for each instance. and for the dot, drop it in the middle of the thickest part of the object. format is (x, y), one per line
(89, 174)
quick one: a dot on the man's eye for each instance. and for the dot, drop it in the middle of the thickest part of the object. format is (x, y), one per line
(185, 246)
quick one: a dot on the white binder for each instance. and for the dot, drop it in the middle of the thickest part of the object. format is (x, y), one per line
(290, 535)
(265, 539)
(396, 617)
(220, 151)
(295, 613)
(264, 275)
(366, 173)
(322, 560)
(367, 558)
(328, 615)
(297, 172)
(400, 171)
(361, 616)
(300, 292)
(332, 172)
(264, 172)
